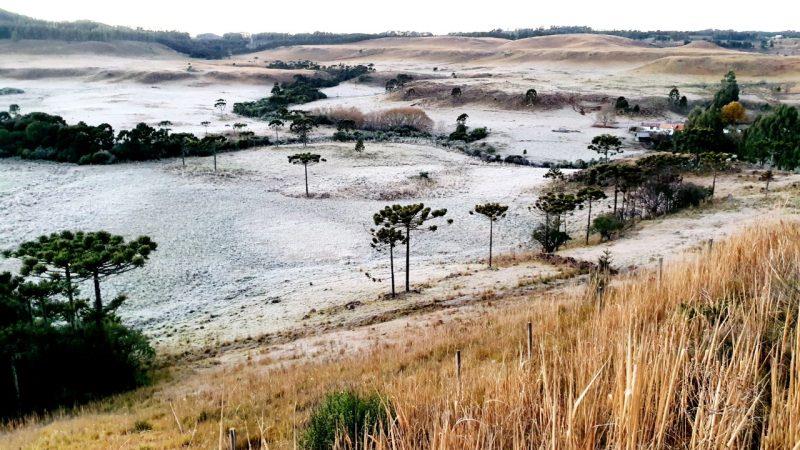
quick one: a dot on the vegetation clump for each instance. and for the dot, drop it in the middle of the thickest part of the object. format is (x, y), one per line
(43, 136)
(302, 90)
(56, 347)
(343, 419)
(463, 133)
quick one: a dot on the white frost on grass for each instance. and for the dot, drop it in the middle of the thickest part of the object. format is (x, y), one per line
(232, 243)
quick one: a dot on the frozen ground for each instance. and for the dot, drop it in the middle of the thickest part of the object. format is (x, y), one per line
(232, 245)
(512, 132)
(125, 104)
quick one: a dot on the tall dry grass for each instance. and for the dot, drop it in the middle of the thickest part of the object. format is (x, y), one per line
(707, 358)
(403, 116)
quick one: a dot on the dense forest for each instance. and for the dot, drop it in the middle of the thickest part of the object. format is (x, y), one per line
(15, 26)
(43, 136)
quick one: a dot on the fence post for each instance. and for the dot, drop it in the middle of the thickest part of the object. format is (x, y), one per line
(710, 244)
(458, 370)
(530, 340)
(660, 269)
(232, 438)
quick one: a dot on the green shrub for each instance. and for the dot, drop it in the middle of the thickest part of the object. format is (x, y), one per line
(608, 225)
(140, 426)
(477, 134)
(344, 414)
(690, 194)
(549, 237)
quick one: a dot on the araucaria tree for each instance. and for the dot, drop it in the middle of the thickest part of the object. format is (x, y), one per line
(305, 159)
(220, 104)
(276, 124)
(56, 350)
(301, 126)
(54, 258)
(101, 255)
(606, 145)
(715, 162)
(387, 237)
(408, 218)
(493, 212)
(554, 206)
(588, 195)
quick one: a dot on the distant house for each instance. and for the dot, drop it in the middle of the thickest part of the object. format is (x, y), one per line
(644, 137)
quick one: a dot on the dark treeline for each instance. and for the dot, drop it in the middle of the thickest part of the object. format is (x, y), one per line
(57, 347)
(43, 136)
(15, 26)
(723, 37)
(302, 90)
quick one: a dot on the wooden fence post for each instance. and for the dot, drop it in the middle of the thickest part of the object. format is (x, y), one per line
(530, 340)
(232, 438)
(458, 370)
(660, 269)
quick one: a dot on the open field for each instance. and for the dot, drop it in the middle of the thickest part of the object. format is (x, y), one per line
(587, 364)
(231, 243)
(260, 300)
(271, 244)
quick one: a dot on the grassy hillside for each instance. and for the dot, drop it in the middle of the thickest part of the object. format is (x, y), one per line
(15, 26)
(705, 358)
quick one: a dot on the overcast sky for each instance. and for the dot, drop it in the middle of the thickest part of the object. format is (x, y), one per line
(436, 16)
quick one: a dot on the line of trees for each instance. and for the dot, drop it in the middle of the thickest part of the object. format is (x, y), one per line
(39, 135)
(727, 37)
(15, 26)
(57, 347)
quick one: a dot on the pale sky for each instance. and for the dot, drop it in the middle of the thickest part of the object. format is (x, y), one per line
(436, 16)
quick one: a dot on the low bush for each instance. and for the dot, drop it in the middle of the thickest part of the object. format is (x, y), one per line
(343, 417)
(339, 114)
(408, 118)
(607, 225)
(690, 194)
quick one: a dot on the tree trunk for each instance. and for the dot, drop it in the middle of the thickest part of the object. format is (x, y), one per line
(183, 157)
(391, 268)
(15, 381)
(215, 160)
(276, 137)
(98, 301)
(491, 232)
(616, 191)
(588, 222)
(70, 296)
(408, 258)
(714, 184)
(305, 168)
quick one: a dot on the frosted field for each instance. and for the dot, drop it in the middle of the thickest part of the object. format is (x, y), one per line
(124, 104)
(242, 252)
(232, 244)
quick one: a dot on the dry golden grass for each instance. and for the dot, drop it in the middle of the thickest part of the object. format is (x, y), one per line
(707, 358)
